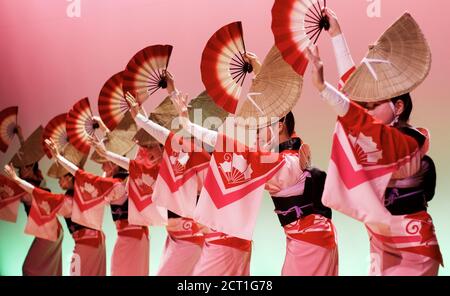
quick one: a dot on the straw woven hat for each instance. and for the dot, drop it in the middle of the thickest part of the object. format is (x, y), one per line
(396, 64)
(31, 151)
(162, 115)
(210, 112)
(71, 154)
(165, 113)
(275, 91)
(120, 140)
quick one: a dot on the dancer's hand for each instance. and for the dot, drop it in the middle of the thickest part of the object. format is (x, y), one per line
(170, 82)
(101, 124)
(18, 131)
(304, 155)
(317, 67)
(51, 145)
(180, 102)
(11, 172)
(335, 28)
(98, 146)
(252, 58)
(135, 108)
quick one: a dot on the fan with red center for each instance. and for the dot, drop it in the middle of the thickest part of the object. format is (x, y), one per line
(223, 67)
(80, 125)
(8, 126)
(112, 105)
(145, 72)
(296, 24)
(56, 131)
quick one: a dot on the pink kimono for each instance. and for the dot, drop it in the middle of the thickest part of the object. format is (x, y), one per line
(311, 247)
(45, 254)
(180, 175)
(400, 244)
(131, 254)
(141, 208)
(229, 203)
(182, 249)
(10, 195)
(132, 248)
(224, 255)
(89, 255)
(91, 193)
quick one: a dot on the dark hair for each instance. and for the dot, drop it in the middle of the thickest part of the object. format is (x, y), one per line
(36, 171)
(69, 175)
(121, 173)
(408, 105)
(289, 122)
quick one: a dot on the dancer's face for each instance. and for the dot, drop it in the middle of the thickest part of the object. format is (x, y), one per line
(154, 152)
(66, 182)
(27, 172)
(264, 135)
(383, 111)
(109, 168)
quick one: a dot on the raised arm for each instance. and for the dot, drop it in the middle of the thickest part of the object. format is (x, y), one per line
(11, 174)
(70, 167)
(338, 101)
(357, 120)
(199, 132)
(119, 160)
(160, 133)
(342, 53)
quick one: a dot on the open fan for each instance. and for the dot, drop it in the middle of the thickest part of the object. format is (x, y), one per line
(296, 24)
(145, 72)
(8, 126)
(80, 125)
(223, 67)
(56, 131)
(112, 105)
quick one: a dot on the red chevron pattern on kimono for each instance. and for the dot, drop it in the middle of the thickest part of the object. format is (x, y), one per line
(233, 188)
(179, 180)
(42, 221)
(365, 154)
(91, 193)
(10, 195)
(141, 209)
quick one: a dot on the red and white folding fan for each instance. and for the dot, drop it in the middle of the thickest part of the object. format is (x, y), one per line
(8, 126)
(80, 125)
(56, 131)
(112, 105)
(296, 24)
(145, 72)
(223, 67)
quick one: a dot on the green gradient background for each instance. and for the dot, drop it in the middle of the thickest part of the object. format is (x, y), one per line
(315, 121)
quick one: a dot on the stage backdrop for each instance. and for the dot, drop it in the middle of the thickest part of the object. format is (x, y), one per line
(55, 52)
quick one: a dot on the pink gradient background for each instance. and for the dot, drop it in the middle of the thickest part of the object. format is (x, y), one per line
(48, 61)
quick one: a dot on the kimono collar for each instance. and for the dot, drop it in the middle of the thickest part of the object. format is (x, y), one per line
(291, 144)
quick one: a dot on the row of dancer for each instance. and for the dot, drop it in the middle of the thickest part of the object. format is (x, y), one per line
(173, 173)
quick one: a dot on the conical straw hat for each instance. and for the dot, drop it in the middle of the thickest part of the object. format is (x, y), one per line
(212, 116)
(273, 93)
(31, 151)
(71, 154)
(163, 115)
(396, 64)
(120, 140)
